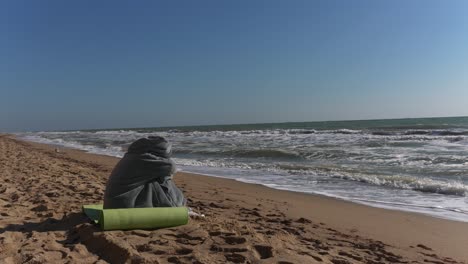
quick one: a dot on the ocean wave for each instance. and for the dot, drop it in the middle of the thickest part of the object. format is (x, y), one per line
(383, 133)
(397, 204)
(426, 185)
(449, 133)
(417, 132)
(390, 132)
(345, 131)
(88, 146)
(352, 161)
(300, 131)
(244, 153)
(264, 153)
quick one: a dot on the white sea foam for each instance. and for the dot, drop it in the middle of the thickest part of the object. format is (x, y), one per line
(412, 183)
(115, 151)
(419, 168)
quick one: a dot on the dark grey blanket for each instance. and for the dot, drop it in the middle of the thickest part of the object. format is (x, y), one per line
(143, 177)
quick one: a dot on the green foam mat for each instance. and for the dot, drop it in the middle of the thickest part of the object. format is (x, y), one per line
(136, 218)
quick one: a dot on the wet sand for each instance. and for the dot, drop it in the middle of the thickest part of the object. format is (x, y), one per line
(41, 193)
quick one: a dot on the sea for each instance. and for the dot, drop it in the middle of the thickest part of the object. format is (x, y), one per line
(418, 165)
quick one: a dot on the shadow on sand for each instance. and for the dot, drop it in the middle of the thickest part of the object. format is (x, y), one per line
(78, 230)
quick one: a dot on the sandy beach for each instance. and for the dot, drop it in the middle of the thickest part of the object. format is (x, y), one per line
(42, 191)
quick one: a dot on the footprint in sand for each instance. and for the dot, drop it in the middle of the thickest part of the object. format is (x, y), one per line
(144, 248)
(184, 251)
(303, 221)
(189, 240)
(140, 233)
(231, 240)
(317, 258)
(150, 248)
(217, 248)
(236, 258)
(349, 255)
(424, 247)
(264, 251)
(340, 261)
(218, 233)
(174, 260)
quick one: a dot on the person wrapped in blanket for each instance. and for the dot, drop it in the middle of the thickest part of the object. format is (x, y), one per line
(143, 177)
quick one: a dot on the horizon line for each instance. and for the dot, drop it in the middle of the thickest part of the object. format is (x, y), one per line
(239, 124)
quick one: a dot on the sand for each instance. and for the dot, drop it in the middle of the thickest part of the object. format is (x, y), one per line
(41, 193)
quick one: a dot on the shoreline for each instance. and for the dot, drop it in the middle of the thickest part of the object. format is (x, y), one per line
(370, 203)
(265, 210)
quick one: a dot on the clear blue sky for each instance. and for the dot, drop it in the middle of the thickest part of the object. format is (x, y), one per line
(104, 64)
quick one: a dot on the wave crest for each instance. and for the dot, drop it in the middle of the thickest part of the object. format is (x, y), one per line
(412, 183)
